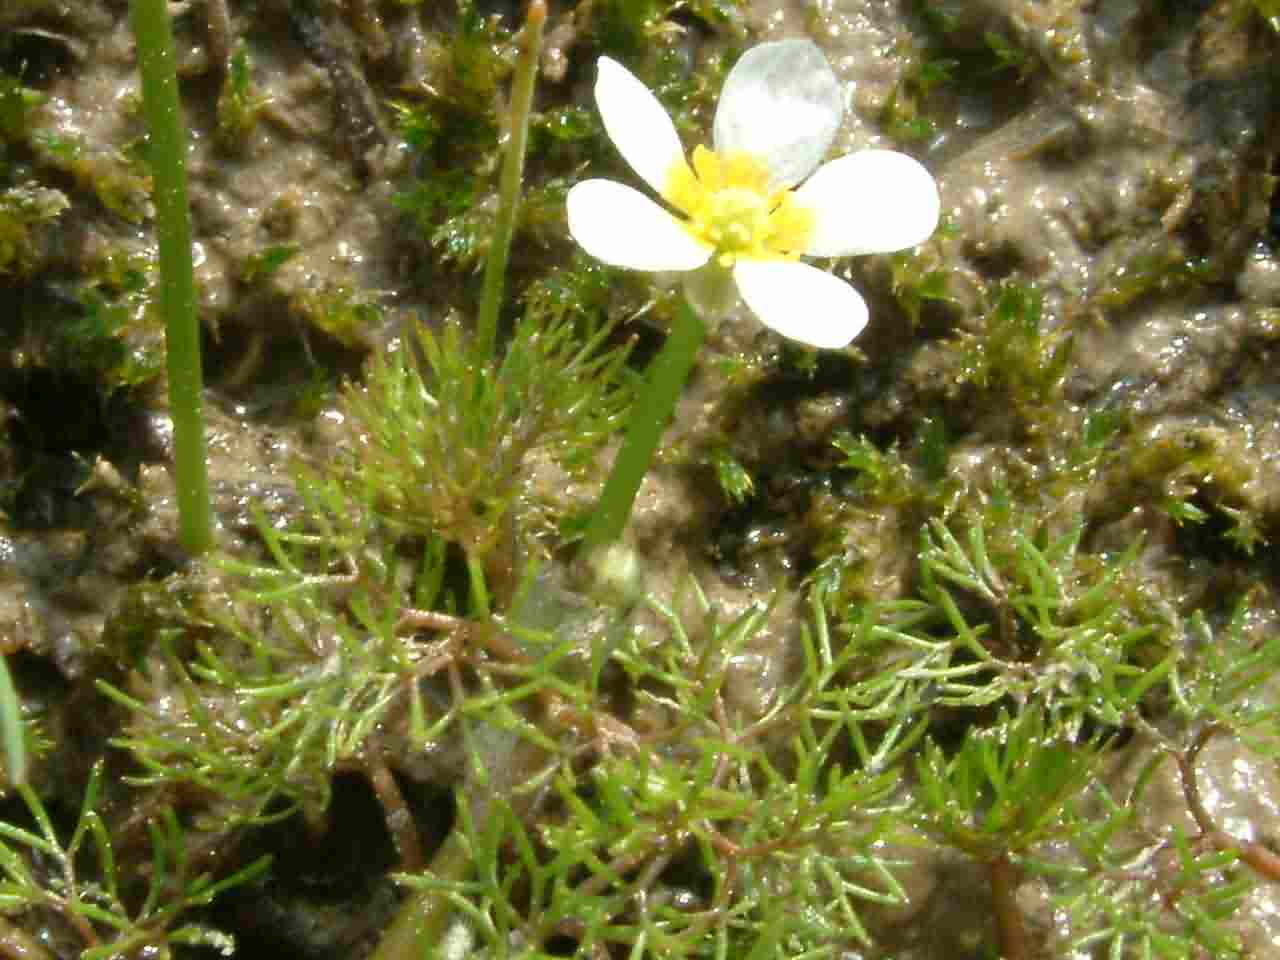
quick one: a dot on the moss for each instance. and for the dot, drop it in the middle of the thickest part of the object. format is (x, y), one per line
(1005, 375)
(957, 51)
(1205, 476)
(117, 181)
(348, 316)
(628, 28)
(99, 331)
(1015, 356)
(734, 479)
(24, 210)
(1166, 271)
(924, 278)
(261, 264)
(902, 116)
(454, 120)
(17, 104)
(1268, 10)
(240, 103)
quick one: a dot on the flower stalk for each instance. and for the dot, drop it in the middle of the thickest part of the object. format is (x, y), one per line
(653, 408)
(167, 140)
(495, 269)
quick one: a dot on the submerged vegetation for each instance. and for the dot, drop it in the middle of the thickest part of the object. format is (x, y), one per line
(980, 605)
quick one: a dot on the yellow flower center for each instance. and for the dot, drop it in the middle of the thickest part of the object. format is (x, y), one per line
(731, 207)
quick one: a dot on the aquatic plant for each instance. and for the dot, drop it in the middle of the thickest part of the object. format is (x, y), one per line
(718, 834)
(113, 913)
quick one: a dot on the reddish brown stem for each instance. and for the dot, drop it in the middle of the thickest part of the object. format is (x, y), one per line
(404, 833)
(1003, 876)
(1262, 860)
(1191, 786)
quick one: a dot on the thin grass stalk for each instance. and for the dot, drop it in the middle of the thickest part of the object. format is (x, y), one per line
(495, 269)
(167, 141)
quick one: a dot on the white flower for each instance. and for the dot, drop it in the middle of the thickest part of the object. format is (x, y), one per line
(742, 211)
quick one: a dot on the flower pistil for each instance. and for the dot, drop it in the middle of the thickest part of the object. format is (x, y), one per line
(731, 207)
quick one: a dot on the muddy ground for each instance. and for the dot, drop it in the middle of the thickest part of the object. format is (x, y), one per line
(1115, 156)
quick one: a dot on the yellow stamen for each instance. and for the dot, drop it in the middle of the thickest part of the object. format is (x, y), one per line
(731, 207)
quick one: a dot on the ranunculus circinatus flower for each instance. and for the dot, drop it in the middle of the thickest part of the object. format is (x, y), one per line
(746, 207)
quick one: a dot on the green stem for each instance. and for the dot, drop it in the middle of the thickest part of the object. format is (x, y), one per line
(167, 145)
(495, 267)
(479, 588)
(12, 737)
(653, 408)
(422, 919)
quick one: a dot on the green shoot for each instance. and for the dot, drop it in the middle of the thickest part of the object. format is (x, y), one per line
(1004, 791)
(156, 61)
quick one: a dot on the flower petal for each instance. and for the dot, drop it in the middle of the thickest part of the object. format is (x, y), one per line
(873, 201)
(801, 302)
(782, 105)
(637, 124)
(624, 228)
